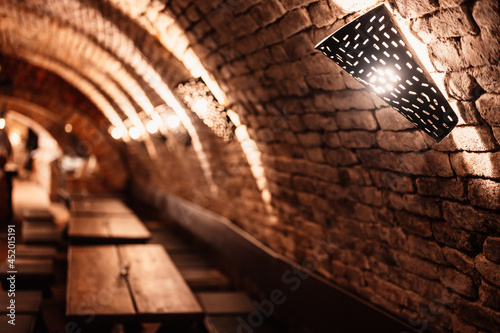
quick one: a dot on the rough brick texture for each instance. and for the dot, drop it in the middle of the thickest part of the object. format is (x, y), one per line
(414, 223)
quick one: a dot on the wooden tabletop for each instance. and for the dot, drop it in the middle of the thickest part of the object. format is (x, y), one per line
(99, 206)
(123, 228)
(127, 282)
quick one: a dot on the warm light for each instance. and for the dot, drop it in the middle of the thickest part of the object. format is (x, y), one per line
(152, 126)
(15, 138)
(173, 121)
(2, 123)
(134, 133)
(201, 107)
(117, 133)
(68, 128)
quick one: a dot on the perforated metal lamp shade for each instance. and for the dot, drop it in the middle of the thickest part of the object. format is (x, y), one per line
(374, 51)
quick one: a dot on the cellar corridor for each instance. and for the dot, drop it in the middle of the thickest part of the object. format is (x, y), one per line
(246, 166)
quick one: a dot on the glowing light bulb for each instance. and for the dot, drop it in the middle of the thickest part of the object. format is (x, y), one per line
(117, 133)
(201, 106)
(173, 121)
(2, 123)
(15, 138)
(68, 128)
(152, 127)
(134, 133)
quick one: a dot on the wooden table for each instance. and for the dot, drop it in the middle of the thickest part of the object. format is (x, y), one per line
(96, 206)
(114, 229)
(123, 283)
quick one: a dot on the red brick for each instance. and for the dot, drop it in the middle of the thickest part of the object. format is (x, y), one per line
(321, 14)
(466, 217)
(488, 269)
(356, 120)
(440, 187)
(391, 120)
(463, 262)
(294, 21)
(452, 22)
(447, 56)
(409, 9)
(429, 163)
(475, 314)
(488, 105)
(401, 141)
(458, 282)
(357, 139)
(476, 164)
(489, 296)
(395, 182)
(422, 205)
(267, 12)
(379, 159)
(484, 193)
(457, 238)
(416, 225)
(425, 249)
(341, 156)
(492, 249)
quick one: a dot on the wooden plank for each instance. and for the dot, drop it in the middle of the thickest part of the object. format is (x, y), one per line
(108, 229)
(128, 227)
(41, 214)
(95, 284)
(29, 269)
(225, 303)
(183, 260)
(99, 206)
(34, 251)
(24, 324)
(40, 232)
(157, 286)
(27, 302)
(236, 324)
(88, 227)
(204, 279)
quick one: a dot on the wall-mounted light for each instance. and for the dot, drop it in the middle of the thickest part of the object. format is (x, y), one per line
(174, 124)
(68, 128)
(152, 126)
(2, 123)
(375, 52)
(201, 101)
(117, 133)
(134, 133)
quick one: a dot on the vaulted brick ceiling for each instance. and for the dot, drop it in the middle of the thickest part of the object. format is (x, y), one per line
(316, 156)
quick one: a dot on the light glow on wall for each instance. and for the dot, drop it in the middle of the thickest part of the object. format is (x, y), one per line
(2, 123)
(134, 133)
(117, 132)
(152, 126)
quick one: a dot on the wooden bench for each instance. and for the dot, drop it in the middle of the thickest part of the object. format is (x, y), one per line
(125, 283)
(40, 214)
(237, 324)
(201, 279)
(35, 251)
(111, 229)
(40, 233)
(225, 303)
(98, 206)
(189, 260)
(27, 302)
(30, 272)
(24, 324)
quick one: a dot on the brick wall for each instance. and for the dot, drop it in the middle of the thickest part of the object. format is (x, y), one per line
(414, 225)
(52, 103)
